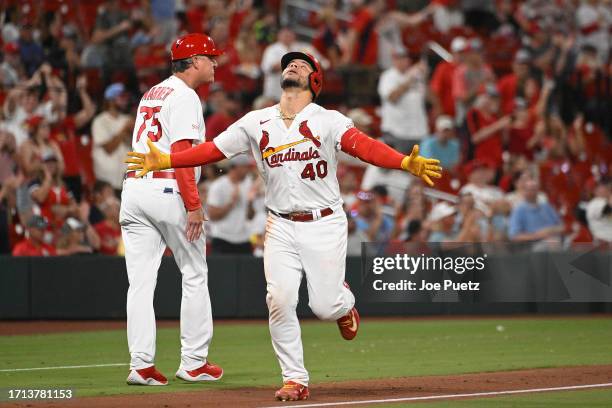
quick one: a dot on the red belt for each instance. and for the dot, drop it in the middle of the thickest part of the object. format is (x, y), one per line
(155, 175)
(303, 216)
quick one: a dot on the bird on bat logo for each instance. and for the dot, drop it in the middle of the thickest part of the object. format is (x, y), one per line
(307, 133)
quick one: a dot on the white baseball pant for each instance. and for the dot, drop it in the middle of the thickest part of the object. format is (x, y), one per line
(317, 248)
(151, 219)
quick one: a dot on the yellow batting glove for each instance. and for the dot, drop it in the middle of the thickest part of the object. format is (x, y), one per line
(146, 162)
(421, 166)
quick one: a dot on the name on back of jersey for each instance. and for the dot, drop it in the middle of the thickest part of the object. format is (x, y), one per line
(157, 93)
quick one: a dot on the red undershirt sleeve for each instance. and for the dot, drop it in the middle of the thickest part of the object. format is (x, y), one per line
(202, 154)
(185, 178)
(358, 144)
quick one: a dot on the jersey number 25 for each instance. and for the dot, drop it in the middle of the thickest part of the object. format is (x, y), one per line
(150, 120)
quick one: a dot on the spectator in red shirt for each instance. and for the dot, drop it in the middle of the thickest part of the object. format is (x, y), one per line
(326, 39)
(109, 230)
(521, 130)
(470, 78)
(50, 193)
(64, 133)
(509, 84)
(228, 107)
(226, 63)
(34, 245)
(442, 79)
(486, 127)
(362, 39)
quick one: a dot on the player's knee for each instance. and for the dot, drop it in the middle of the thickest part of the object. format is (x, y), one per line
(280, 303)
(193, 284)
(142, 283)
(324, 309)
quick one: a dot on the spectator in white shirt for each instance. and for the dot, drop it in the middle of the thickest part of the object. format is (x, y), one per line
(112, 135)
(270, 60)
(489, 198)
(594, 20)
(599, 214)
(481, 174)
(403, 90)
(230, 207)
(517, 196)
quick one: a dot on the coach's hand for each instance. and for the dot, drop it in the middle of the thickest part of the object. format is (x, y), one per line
(195, 219)
(422, 166)
(146, 162)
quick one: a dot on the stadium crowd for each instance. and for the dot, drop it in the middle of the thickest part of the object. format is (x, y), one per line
(514, 98)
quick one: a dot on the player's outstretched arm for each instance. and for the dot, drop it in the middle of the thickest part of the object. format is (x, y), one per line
(360, 145)
(204, 153)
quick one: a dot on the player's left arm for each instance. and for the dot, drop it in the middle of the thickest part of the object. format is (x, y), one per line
(185, 179)
(358, 144)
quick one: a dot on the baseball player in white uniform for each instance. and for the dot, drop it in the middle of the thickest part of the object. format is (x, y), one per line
(295, 145)
(164, 209)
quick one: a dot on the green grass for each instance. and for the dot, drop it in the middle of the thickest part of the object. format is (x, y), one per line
(383, 349)
(564, 399)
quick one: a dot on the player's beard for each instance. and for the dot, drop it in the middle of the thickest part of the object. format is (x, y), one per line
(291, 83)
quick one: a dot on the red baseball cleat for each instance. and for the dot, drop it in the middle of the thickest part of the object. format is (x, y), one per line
(207, 372)
(292, 391)
(146, 376)
(349, 325)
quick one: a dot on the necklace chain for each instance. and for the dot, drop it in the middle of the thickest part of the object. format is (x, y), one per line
(284, 116)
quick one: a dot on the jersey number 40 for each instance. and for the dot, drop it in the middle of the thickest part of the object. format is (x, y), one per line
(309, 170)
(150, 120)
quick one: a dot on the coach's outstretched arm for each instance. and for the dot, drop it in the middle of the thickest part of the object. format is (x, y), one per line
(358, 144)
(204, 153)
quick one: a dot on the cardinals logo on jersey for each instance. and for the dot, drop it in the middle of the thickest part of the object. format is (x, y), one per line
(264, 149)
(307, 133)
(269, 154)
(265, 140)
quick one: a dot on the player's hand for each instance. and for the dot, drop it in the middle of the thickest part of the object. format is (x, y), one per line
(422, 166)
(146, 162)
(81, 83)
(195, 219)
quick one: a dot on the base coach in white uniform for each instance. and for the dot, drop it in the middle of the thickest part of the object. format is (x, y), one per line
(164, 209)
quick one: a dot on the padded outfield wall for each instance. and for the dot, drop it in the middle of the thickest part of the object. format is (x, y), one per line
(95, 287)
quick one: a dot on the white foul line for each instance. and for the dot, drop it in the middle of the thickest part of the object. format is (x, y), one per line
(434, 397)
(12, 370)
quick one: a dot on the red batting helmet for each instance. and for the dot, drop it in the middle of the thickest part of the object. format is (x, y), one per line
(193, 44)
(315, 79)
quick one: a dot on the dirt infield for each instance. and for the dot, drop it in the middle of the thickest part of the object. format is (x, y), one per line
(355, 390)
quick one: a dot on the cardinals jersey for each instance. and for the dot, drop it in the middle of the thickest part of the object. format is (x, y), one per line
(298, 164)
(170, 111)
